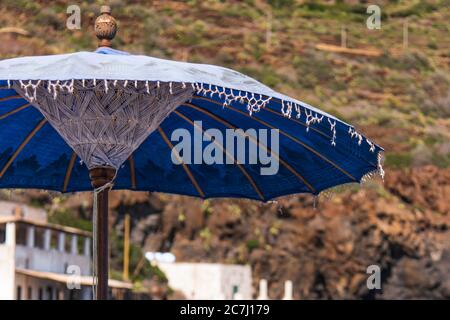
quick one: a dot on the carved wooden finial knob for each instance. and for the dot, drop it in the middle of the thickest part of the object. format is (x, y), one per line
(105, 27)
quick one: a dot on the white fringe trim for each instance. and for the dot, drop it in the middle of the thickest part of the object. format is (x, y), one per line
(253, 101)
(380, 158)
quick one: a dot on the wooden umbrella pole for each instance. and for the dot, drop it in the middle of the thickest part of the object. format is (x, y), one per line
(99, 178)
(105, 30)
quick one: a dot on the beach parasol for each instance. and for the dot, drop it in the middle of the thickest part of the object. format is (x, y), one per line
(109, 119)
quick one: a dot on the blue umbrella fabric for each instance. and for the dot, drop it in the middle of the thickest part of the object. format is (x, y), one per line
(316, 150)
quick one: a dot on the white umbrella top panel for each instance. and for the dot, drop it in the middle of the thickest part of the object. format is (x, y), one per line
(119, 65)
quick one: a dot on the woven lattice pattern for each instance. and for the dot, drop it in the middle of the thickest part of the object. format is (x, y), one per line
(104, 121)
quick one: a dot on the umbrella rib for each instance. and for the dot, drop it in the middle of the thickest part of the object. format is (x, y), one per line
(241, 167)
(185, 167)
(3, 116)
(132, 172)
(69, 171)
(267, 149)
(288, 136)
(22, 145)
(10, 98)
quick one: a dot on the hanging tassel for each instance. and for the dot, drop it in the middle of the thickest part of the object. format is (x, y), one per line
(380, 164)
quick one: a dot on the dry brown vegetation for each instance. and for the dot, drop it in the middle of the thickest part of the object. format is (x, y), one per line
(399, 97)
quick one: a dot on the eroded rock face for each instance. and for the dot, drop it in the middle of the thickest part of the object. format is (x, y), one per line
(401, 226)
(419, 278)
(425, 186)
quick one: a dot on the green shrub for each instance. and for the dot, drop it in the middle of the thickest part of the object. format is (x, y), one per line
(49, 17)
(398, 160)
(442, 161)
(269, 77)
(68, 218)
(192, 34)
(252, 244)
(313, 69)
(419, 9)
(281, 3)
(406, 62)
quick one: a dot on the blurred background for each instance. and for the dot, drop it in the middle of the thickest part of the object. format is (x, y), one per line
(392, 83)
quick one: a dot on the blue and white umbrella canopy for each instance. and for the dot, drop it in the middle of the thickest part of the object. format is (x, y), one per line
(61, 115)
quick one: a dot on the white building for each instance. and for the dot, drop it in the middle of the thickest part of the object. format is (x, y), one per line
(209, 281)
(39, 260)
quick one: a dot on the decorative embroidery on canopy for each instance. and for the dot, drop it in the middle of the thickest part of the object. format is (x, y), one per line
(102, 121)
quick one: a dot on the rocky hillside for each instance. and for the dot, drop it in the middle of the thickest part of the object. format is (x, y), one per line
(403, 227)
(391, 83)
